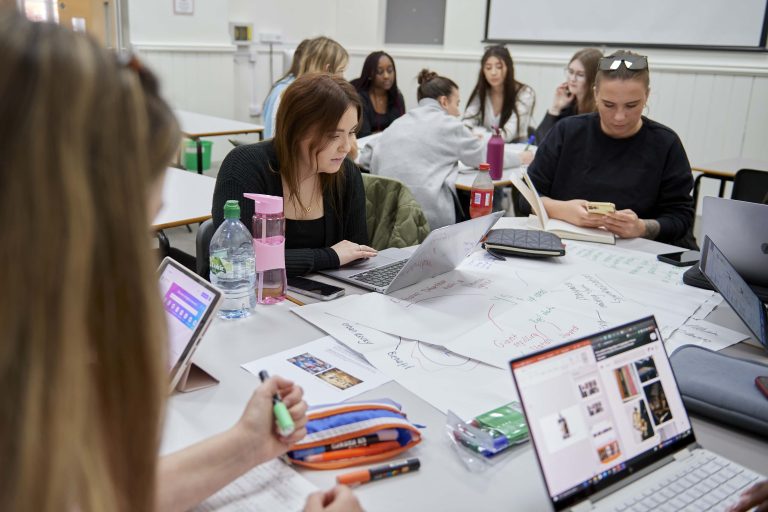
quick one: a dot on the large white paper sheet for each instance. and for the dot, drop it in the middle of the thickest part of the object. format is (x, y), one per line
(267, 487)
(328, 371)
(440, 377)
(704, 334)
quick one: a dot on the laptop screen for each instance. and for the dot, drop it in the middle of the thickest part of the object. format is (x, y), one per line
(734, 289)
(187, 300)
(600, 408)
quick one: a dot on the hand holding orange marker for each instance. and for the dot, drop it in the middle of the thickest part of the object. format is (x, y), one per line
(387, 470)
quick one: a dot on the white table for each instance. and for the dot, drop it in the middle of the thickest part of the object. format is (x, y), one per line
(196, 126)
(442, 483)
(187, 199)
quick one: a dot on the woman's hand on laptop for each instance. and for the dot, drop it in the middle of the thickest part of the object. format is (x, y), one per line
(755, 496)
(257, 424)
(350, 251)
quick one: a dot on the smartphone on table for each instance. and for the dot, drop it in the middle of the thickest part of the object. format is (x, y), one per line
(316, 289)
(680, 259)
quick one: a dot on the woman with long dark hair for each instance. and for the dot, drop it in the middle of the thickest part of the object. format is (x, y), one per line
(498, 99)
(382, 100)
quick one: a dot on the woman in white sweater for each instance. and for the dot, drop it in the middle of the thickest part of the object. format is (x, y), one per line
(498, 100)
(422, 148)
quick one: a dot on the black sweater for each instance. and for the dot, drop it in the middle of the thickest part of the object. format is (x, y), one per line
(648, 173)
(254, 169)
(549, 121)
(373, 121)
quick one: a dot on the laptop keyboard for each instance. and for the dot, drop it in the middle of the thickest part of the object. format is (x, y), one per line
(709, 483)
(380, 276)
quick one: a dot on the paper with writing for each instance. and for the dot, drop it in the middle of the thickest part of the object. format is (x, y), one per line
(268, 487)
(704, 334)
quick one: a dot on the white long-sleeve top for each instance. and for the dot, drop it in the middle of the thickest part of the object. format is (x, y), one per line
(422, 149)
(525, 101)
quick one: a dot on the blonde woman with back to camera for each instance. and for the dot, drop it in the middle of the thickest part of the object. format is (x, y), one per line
(82, 363)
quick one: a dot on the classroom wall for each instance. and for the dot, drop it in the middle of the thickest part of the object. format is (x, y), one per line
(716, 101)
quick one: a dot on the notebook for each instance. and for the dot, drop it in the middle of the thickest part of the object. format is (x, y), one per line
(442, 251)
(559, 227)
(739, 229)
(190, 303)
(610, 431)
(735, 290)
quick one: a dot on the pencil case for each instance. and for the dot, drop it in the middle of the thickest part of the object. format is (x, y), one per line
(354, 433)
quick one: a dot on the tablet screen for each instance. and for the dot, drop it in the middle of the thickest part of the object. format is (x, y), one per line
(189, 302)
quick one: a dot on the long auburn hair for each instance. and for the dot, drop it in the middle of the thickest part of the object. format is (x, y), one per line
(365, 81)
(512, 87)
(589, 58)
(312, 107)
(82, 362)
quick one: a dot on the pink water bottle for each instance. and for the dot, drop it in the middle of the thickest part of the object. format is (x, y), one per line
(269, 246)
(495, 154)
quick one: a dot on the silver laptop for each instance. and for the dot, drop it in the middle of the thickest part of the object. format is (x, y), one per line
(190, 304)
(610, 431)
(724, 278)
(740, 230)
(440, 252)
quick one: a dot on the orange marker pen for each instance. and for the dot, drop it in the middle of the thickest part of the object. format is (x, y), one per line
(354, 452)
(387, 470)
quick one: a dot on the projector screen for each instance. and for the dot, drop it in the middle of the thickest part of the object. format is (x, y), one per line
(705, 24)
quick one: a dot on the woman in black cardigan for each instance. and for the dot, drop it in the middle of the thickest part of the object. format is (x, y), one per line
(306, 163)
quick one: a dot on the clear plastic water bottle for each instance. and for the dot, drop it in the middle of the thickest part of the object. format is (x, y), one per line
(233, 266)
(269, 247)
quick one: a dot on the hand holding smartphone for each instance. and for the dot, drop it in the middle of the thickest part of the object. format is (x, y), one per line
(315, 289)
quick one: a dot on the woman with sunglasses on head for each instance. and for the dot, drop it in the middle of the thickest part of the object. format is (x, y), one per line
(617, 155)
(306, 164)
(84, 351)
(499, 100)
(382, 100)
(576, 95)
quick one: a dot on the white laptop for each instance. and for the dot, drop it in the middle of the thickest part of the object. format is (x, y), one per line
(190, 303)
(442, 251)
(610, 431)
(740, 230)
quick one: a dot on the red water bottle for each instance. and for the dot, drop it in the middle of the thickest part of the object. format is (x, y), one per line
(481, 195)
(495, 154)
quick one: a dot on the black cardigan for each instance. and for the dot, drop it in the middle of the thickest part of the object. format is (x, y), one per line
(648, 173)
(254, 169)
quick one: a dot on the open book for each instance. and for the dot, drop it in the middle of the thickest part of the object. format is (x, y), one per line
(559, 227)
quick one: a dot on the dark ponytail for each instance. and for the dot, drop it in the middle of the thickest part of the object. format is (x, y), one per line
(431, 85)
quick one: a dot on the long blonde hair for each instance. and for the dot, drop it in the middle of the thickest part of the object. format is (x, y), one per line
(323, 55)
(82, 355)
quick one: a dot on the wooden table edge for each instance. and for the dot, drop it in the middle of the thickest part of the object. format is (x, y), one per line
(177, 223)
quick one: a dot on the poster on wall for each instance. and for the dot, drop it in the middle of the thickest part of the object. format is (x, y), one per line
(184, 6)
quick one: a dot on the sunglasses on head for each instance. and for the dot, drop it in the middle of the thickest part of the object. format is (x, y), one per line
(631, 62)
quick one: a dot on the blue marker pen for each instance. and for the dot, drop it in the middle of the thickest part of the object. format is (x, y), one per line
(531, 140)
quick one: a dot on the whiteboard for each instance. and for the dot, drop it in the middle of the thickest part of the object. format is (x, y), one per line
(690, 23)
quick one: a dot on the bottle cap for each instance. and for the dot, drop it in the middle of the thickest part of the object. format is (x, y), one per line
(232, 209)
(266, 204)
(484, 167)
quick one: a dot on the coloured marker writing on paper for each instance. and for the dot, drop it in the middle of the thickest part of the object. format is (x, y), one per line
(285, 425)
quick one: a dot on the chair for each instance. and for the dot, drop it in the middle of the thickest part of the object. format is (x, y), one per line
(202, 246)
(393, 216)
(750, 185)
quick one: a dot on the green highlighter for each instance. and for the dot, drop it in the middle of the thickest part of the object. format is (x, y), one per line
(283, 418)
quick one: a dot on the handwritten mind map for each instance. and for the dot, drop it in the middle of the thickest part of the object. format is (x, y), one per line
(433, 373)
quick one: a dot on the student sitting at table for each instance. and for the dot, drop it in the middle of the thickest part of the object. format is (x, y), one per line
(498, 100)
(84, 354)
(306, 164)
(377, 86)
(268, 113)
(320, 55)
(576, 95)
(422, 148)
(618, 155)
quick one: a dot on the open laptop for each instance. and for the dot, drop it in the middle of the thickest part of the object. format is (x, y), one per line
(442, 251)
(190, 303)
(739, 229)
(610, 431)
(735, 290)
